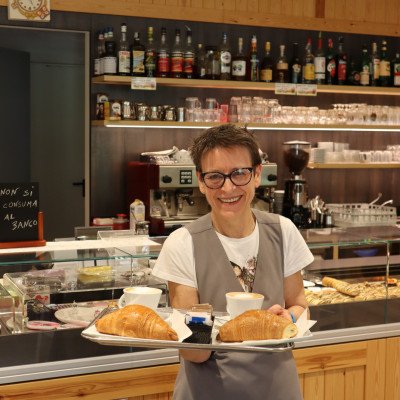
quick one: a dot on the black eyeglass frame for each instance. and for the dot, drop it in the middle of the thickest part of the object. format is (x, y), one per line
(203, 174)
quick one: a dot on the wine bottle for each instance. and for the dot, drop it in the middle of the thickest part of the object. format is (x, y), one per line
(150, 55)
(254, 61)
(137, 56)
(319, 63)
(308, 64)
(239, 63)
(295, 66)
(124, 53)
(365, 72)
(225, 58)
(330, 64)
(341, 64)
(163, 56)
(384, 67)
(282, 67)
(267, 65)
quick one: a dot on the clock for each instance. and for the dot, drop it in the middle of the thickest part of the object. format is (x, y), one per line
(32, 10)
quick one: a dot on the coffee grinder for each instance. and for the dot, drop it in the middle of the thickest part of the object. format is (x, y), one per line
(296, 155)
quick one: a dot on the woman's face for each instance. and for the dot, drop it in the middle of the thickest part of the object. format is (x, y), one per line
(229, 201)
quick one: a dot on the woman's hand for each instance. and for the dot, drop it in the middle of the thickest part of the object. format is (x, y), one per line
(280, 311)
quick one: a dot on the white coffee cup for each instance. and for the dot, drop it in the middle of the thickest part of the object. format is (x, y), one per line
(239, 302)
(142, 295)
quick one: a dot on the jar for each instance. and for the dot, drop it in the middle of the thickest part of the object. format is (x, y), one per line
(212, 63)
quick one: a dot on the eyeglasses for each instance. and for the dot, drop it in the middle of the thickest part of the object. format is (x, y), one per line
(239, 177)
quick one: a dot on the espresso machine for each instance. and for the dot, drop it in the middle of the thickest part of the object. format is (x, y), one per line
(296, 155)
(171, 194)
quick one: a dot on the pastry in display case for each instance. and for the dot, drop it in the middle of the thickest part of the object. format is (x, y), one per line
(355, 277)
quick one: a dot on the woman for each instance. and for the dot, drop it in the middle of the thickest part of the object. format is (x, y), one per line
(234, 248)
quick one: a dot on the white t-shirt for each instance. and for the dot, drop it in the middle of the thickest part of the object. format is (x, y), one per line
(176, 260)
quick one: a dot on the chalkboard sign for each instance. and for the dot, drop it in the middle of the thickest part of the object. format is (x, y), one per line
(19, 207)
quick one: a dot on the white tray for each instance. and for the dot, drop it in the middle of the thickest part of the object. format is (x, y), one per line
(92, 334)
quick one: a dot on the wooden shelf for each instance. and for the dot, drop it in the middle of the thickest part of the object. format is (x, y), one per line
(245, 85)
(347, 165)
(277, 127)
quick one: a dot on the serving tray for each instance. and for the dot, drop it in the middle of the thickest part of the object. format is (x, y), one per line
(281, 345)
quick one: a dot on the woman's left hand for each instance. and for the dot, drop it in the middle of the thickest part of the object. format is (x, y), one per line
(279, 310)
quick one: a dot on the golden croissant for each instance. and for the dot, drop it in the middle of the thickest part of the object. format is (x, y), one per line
(256, 325)
(136, 321)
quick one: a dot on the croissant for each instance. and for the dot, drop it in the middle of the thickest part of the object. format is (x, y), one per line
(136, 321)
(256, 325)
(341, 286)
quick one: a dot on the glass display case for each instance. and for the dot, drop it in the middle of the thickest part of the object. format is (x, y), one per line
(68, 283)
(354, 280)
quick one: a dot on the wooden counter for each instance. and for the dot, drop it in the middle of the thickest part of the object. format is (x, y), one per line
(367, 370)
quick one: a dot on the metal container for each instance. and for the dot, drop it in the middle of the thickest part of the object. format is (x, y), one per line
(170, 114)
(128, 110)
(143, 113)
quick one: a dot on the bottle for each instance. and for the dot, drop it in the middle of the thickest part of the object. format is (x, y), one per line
(124, 54)
(110, 57)
(384, 67)
(364, 72)
(295, 66)
(267, 65)
(308, 64)
(200, 64)
(213, 68)
(137, 51)
(225, 58)
(374, 65)
(353, 73)
(239, 63)
(330, 64)
(150, 55)
(282, 67)
(319, 63)
(396, 71)
(177, 57)
(188, 56)
(253, 61)
(100, 50)
(163, 57)
(341, 64)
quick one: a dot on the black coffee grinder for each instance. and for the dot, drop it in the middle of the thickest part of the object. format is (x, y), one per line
(296, 155)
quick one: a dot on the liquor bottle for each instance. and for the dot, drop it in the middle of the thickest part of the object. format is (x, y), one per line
(137, 51)
(163, 58)
(213, 69)
(110, 57)
(330, 64)
(225, 58)
(188, 57)
(253, 61)
(267, 65)
(374, 65)
(177, 57)
(341, 64)
(150, 55)
(353, 73)
(100, 50)
(319, 62)
(396, 71)
(308, 64)
(239, 63)
(124, 54)
(282, 67)
(384, 67)
(295, 66)
(365, 72)
(200, 64)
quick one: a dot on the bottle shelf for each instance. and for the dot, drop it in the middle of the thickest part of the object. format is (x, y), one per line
(347, 165)
(254, 126)
(245, 85)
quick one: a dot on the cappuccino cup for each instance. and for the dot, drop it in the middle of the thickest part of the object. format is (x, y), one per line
(141, 295)
(239, 302)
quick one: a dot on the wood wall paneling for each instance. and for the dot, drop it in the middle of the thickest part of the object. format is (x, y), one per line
(379, 17)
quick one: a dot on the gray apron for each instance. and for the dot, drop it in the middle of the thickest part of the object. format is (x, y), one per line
(238, 375)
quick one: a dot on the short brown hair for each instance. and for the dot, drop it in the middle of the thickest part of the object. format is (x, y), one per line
(227, 135)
